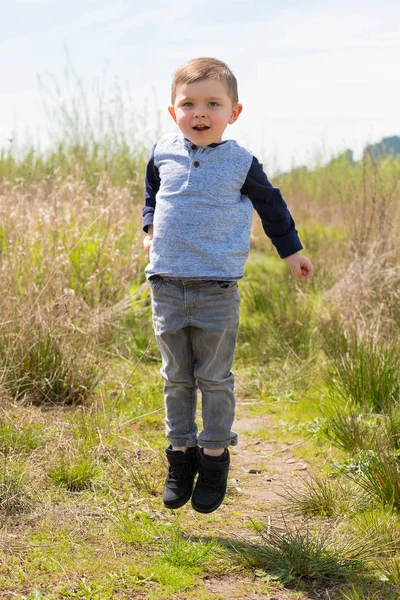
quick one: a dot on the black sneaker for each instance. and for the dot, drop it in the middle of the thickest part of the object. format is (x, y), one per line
(211, 484)
(182, 469)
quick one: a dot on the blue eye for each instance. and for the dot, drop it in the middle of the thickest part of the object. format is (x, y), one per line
(187, 104)
(213, 104)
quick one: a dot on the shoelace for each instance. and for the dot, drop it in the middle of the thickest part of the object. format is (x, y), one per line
(175, 471)
(209, 477)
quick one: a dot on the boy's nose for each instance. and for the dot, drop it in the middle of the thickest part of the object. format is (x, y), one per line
(200, 112)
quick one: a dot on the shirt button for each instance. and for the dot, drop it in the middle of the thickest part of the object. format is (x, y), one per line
(194, 147)
(196, 163)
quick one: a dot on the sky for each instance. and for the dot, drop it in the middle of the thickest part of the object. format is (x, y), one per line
(315, 76)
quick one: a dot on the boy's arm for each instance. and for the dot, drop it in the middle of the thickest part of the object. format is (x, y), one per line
(275, 217)
(276, 220)
(152, 185)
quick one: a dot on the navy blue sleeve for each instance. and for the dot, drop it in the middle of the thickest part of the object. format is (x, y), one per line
(151, 187)
(275, 217)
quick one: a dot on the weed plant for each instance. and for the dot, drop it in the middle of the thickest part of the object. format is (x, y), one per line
(91, 131)
(146, 478)
(69, 262)
(365, 294)
(391, 429)
(42, 367)
(357, 594)
(361, 195)
(389, 567)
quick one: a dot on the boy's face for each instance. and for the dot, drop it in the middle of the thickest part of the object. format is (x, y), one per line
(202, 110)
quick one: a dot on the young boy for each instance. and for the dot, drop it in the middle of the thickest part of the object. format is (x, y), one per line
(199, 195)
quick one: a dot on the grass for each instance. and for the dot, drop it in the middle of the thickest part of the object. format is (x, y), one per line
(356, 594)
(145, 475)
(136, 530)
(20, 439)
(183, 552)
(364, 372)
(81, 423)
(15, 497)
(380, 523)
(379, 475)
(295, 554)
(322, 497)
(348, 429)
(75, 474)
(274, 326)
(41, 367)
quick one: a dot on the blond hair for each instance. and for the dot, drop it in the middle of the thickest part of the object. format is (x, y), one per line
(205, 68)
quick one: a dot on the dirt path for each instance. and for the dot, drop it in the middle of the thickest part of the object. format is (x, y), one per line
(261, 472)
(265, 468)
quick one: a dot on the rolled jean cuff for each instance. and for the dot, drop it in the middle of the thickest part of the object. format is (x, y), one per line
(233, 441)
(189, 442)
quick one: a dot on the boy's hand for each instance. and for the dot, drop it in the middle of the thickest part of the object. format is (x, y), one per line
(300, 266)
(148, 239)
(147, 242)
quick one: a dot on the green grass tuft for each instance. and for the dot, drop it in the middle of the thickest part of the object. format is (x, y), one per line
(183, 552)
(378, 473)
(75, 474)
(138, 530)
(296, 554)
(14, 494)
(39, 367)
(20, 439)
(322, 497)
(364, 372)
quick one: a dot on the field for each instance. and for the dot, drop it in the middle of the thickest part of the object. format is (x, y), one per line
(313, 503)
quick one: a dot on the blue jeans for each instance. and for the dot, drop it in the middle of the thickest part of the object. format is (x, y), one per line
(196, 324)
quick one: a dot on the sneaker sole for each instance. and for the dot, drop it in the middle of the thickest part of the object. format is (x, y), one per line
(206, 511)
(179, 504)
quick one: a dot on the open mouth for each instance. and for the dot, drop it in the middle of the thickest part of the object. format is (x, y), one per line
(200, 127)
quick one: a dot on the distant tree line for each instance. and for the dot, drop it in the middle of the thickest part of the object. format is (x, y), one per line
(388, 145)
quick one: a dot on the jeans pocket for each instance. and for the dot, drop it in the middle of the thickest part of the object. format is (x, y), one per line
(156, 282)
(225, 285)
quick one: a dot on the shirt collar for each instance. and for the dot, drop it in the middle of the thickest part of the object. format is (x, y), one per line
(213, 145)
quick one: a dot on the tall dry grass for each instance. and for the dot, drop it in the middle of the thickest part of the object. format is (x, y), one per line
(70, 263)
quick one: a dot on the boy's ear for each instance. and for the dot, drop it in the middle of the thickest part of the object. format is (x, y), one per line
(172, 112)
(236, 110)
